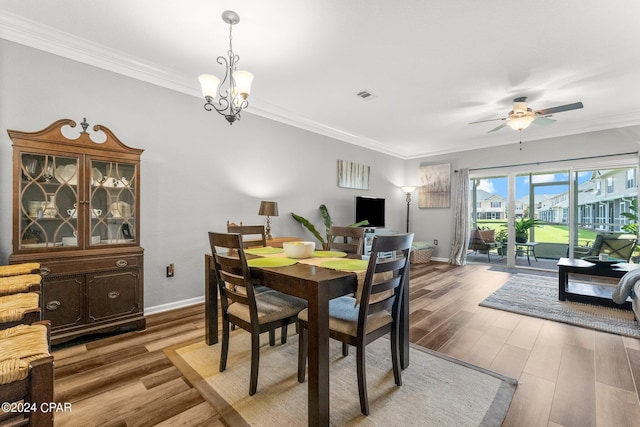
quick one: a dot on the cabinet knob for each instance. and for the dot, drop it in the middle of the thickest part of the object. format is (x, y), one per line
(45, 270)
(121, 263)
(113, 294)
(53, 305)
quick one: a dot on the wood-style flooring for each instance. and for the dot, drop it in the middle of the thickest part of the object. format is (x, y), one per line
(568, 376)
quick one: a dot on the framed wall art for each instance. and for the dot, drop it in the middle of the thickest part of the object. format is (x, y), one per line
(435, 186)
(353, 175)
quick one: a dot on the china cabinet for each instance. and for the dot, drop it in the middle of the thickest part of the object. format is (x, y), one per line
(76, 210)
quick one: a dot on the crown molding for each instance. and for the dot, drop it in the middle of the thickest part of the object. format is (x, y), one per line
(29, 33)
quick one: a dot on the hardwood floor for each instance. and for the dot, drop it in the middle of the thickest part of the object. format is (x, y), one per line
(568, 376)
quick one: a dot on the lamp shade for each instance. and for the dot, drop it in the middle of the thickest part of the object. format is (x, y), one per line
(268, 208)
(243, 81)
(520, 122)
(209, 85)
(408, 189)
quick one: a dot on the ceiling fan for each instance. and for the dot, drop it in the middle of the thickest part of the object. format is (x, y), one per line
(522, 116)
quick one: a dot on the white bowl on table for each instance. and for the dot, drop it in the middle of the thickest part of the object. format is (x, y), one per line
(299, 250)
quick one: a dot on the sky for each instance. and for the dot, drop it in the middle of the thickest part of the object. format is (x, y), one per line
(499, 185)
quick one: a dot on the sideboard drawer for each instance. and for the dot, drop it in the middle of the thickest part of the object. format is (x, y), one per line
(89, 265)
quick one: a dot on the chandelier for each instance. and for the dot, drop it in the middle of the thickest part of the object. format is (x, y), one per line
(232, 100)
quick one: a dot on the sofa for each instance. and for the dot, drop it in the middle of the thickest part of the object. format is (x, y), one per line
(629, 285)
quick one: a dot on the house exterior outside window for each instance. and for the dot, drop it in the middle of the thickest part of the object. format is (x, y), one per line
(631, 178)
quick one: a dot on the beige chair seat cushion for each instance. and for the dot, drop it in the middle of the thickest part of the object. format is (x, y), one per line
(12, 307)
(271, 306)
(256, 289)
(18, 269)
(343, 317)
(19, 346)
(14, 284)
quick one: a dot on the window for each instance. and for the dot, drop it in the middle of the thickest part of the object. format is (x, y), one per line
(496, 204)
(609, 184)
(631, 178)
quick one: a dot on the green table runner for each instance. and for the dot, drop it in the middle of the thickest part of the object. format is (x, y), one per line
(329, 254)
(263, 251)
(346, 264)
(270, 262)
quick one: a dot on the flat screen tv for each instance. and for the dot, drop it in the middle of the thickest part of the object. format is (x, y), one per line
(371, 209)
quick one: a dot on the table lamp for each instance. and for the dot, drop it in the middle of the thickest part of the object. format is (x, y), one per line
(268, 209)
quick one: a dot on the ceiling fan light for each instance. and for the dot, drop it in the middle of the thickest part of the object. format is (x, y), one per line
(520, 122)
(520, 107)
(209, 85)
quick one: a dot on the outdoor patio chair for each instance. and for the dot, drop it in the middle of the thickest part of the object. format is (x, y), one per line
(616, 245)
(483, 241)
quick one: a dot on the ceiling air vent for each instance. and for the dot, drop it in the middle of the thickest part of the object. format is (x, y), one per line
(365, 94)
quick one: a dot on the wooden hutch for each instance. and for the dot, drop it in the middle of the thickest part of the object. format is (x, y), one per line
(76, 210)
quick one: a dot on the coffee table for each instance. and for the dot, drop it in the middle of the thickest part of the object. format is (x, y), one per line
(595, 293)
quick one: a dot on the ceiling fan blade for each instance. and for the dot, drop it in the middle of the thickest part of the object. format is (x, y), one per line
(543, 121)
(488, 120)
(561, 108)
(498, 128)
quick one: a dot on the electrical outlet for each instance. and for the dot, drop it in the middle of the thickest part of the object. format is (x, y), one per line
(170, 270)
(435, 242)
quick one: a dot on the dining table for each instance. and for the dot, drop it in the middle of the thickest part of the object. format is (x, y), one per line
(317, 285)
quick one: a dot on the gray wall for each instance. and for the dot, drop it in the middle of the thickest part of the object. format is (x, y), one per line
(197, 171)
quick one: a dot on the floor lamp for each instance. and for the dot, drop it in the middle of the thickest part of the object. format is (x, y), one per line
(408, 190)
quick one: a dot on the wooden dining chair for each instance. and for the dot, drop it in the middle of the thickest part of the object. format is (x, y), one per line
(252, 235)
(255, 312)
(377, 312)
(346, 239)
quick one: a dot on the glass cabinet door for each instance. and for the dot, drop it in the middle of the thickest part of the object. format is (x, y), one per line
(113, 193)
(48, 201)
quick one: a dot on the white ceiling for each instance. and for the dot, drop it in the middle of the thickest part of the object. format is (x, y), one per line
(434, 66)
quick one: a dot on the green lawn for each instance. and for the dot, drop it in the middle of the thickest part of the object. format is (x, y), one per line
(548, 233)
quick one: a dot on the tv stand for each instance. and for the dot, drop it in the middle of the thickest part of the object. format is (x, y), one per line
(369, 233)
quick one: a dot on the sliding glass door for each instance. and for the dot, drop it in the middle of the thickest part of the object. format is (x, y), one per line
(606, 202)
(566, 209)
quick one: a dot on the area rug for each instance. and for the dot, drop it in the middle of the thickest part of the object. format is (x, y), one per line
(436, 391)
(537, 296)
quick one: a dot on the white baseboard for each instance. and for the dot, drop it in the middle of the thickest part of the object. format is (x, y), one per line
(199, 300)
(173, 305)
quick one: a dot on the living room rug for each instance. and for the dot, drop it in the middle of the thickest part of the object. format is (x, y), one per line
(436, 391)
(537, 296)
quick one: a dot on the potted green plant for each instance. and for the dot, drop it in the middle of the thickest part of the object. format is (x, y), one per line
(502, 237)
(522, 227)
(326, 218)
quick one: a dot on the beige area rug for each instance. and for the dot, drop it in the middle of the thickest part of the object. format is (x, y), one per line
(436, 391)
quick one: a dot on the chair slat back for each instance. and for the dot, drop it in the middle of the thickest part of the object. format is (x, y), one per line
(252, 235)
(386, 278)
(231, 269)
(346, 239)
